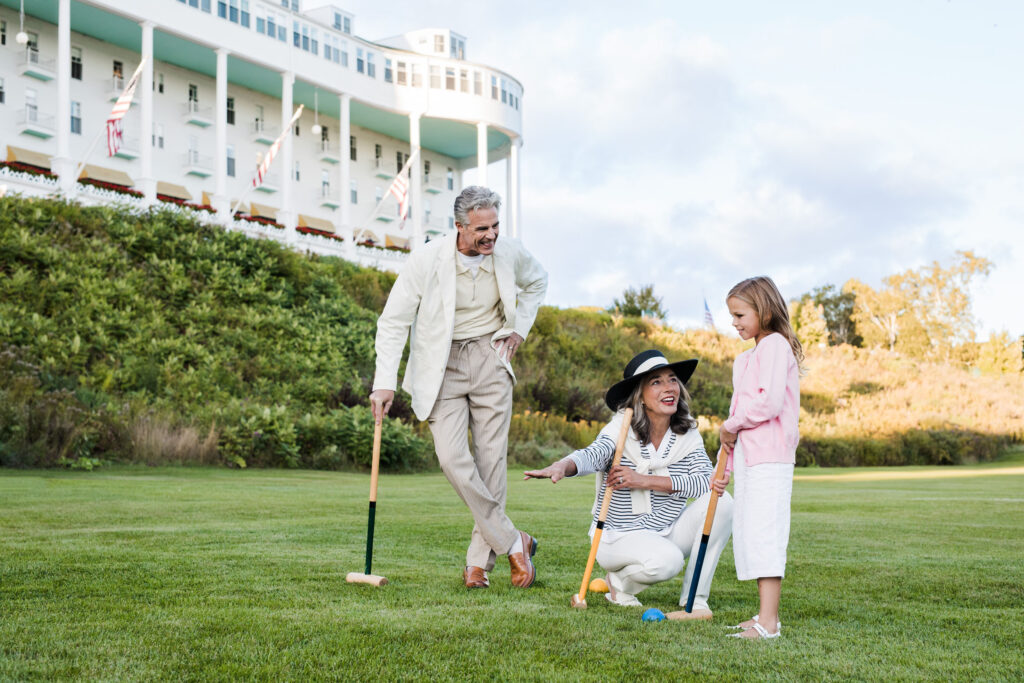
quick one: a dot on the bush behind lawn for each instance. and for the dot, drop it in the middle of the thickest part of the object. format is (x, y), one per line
(147, 337)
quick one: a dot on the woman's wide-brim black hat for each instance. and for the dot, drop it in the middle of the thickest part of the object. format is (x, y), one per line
(642, 364)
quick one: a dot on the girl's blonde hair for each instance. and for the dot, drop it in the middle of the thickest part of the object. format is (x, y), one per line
(761, 294)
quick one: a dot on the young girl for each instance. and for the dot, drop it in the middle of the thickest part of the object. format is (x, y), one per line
(760, 438)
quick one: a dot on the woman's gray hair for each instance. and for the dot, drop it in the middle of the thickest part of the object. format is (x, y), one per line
(472, 198)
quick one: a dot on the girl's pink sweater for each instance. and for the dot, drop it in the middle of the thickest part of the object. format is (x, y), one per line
(765, 405)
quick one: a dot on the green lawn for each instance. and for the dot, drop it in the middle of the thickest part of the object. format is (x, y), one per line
(211, 574)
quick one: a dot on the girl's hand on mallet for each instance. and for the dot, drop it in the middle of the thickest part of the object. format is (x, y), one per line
(718, 485)
(727, 439)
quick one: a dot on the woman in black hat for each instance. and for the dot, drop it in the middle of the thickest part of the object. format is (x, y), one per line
(650, 529)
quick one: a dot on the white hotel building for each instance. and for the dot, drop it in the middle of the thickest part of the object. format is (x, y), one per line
(220, 79)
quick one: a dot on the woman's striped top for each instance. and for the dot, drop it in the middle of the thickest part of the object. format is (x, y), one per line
(690, 478)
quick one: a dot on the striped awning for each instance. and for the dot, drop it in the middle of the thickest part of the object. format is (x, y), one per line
(262, 211)
(367, 235)
(107, 175)
(27, 156)
(172, 190)
(315, 223)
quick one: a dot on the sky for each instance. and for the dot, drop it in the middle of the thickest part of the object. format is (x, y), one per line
(690, 145)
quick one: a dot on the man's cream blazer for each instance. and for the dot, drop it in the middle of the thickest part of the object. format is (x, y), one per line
(422, 305)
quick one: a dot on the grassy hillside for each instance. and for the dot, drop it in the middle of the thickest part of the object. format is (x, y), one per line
(152, 338)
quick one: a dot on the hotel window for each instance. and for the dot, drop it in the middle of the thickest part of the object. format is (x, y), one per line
(205, 6)
(76, 118)
(353, 192)
(282, 28)
(360, 64)
(352, 147)
(347, 25)
(325, 137)
(400, 159)
(378, 193)
(31, 104)
(435, 76)
(426, 170)
(233, 12)
(378, 152)
(76, 63)
(160, 83)
(426, 211)
(478, 83)
(325, 183)
(298, 174)
(193, 95)
(231, 111)
(388, 78)
(261, 20)
(314, 43)
(417, 80)
(344, 53)
(450, 177)
(464, 80)
(337, 21)
(439, 44)
(245, 13)
(222, 9)
(504, 93)
(401, 73)
(33, 41)
(158, 136)
(371, 69)
(231, 160)
(3, 32)
(118, 73)
(494, 87)
(2, 95)
(449, 78)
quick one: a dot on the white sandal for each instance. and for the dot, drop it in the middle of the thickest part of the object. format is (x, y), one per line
(762, 633)
(778, 624)
(623, 600)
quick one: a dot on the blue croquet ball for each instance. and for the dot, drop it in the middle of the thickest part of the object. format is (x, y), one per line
(653, 615)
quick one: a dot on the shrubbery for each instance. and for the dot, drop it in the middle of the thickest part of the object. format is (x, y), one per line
(150, 338)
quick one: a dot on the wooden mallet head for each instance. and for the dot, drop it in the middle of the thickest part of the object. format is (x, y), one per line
(578, 602)
(369, 579)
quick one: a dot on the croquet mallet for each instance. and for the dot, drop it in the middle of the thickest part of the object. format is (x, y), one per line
(579, 601)
(709, 519)
(367, 577)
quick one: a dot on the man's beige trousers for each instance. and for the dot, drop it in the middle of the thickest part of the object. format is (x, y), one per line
(476, 397)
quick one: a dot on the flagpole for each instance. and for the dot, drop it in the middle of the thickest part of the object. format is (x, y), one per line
(376, 209)
(287, 131)
(96, 140)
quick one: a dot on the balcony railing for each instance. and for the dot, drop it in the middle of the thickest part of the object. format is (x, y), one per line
(197, 164)
(196, 115)
(382, 169)
(30, 63)
(262, 132)
(328, 154)
(327, 198)
(129, 149)
(31, 122)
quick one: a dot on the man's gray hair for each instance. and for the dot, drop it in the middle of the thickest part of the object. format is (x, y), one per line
(472, 198)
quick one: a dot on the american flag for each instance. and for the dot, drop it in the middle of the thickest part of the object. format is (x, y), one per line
(400, 189)
(261, 170)
(124, 103)
(708, 320)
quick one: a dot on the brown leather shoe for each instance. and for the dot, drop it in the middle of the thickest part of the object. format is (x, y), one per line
(475, 577)
(523, 571)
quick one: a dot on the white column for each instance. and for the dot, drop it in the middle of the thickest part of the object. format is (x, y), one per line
(286, 216)
(415, 189)
(63, 165)
(220, 163)
(515, 204)
(345, 226)
(146, 183)
(481, 154)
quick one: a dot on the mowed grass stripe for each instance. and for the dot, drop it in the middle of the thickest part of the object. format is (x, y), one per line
(211, 574)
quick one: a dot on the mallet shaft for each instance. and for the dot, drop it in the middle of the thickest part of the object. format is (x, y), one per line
(627, 419)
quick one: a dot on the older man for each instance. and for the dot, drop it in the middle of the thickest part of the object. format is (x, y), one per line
(469, 301)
